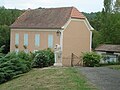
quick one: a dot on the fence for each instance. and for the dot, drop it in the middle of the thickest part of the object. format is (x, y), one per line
(76, 61)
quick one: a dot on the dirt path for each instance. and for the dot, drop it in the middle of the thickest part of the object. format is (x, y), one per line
(103, 77)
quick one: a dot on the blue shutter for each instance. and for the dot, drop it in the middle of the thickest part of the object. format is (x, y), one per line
(26, 39)
(16, 39)
(37, 40)
(50, 41)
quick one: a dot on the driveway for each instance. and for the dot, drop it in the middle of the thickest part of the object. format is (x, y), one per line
(103, 77)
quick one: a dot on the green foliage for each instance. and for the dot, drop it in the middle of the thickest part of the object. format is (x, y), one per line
(96, 39)
(91, 15)
(110, 32)
(5, 37)
(1, 54)
(43, 58)
(13, 64)
(91, 59)
(117, 6)
(107, 24)
(7, 17)
(108, 5)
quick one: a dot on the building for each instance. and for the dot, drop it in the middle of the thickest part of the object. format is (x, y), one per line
(65, 30)
(110, 53)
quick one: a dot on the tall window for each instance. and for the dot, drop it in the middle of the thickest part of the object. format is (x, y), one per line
(37, 40)
(16, 39)
(26, 39)
(50, 41)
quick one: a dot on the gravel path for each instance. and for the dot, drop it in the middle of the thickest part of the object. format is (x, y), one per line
(103, 77)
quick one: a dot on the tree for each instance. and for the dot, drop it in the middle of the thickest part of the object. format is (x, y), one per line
(96, 39)
(117, 6)
(108, 4)
(7, 17)
(107, 24)
(5, 37)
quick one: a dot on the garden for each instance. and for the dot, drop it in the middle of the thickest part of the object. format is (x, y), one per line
(13, 64)
(25, 71)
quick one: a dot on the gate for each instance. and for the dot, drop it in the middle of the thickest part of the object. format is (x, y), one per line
(76, 61)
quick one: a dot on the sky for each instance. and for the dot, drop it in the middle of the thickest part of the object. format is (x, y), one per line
(82, 5)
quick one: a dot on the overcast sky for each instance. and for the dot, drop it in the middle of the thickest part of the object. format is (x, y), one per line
(82, 5)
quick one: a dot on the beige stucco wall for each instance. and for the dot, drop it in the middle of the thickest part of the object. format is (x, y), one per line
(31, 38)
(76, 39)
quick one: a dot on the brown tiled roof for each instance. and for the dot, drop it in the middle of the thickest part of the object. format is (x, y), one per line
(109, 48)
(48, 18)
(76, 14)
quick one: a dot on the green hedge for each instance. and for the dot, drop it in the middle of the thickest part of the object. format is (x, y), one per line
(13, 64)
(91, 59)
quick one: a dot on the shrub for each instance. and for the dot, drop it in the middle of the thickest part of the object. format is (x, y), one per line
(13, 64)
(43, 58)
(91, 59)
(1, 54)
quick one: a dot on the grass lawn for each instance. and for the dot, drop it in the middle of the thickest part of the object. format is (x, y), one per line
(117, 67)
(52, 78)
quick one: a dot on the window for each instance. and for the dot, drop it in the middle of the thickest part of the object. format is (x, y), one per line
(16, 39)
(26, 39)
(50, 41)
(37, 40)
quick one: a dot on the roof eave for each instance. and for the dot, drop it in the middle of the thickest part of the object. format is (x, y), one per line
(108, 51)
(32, 28)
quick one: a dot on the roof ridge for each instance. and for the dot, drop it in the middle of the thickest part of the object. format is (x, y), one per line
(52, 8)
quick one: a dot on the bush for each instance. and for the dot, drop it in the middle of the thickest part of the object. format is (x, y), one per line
(43, 58)
(91, 59)
(13, 64)
(1, 54)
